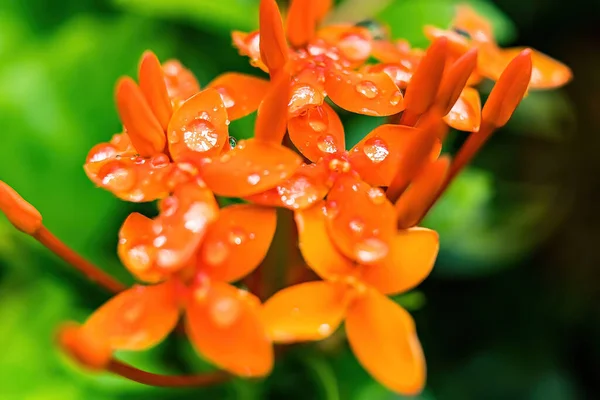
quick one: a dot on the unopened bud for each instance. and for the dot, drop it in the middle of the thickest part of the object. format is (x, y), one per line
(19, 212)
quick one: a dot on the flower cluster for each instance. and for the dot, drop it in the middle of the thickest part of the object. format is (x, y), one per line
(356, 211)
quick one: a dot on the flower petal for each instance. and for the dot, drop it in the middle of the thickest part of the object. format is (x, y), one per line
(273, 47)
(181, 82)
(308, 311)
(465, 115)
(400, 73)
(153, 85)
(248, 44)
(304, 97)
(317, 132)
(272, 116)
(547, 73)
(377, 156)
(412, 256)
(479, 28)
(369, 94)
(136, 319)
(353, 42)
(457, 44)
(200, 125)
(251, 167)
(303, 189)
(237, 242)
(144, 130)
(224, 325)
(382, 336)
(316, 246)
(153, 249)
(241, 93)
(301, 21)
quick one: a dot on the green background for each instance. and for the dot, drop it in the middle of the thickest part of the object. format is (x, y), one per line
(511, 310)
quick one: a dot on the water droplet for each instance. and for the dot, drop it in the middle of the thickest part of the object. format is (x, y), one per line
(396, 98)
(197, 217)
(225, 311)
(327, 144)
(200, 135)
(226, 157)
(317, 119)
(103, 153)
(159, 241)
(376, 149)
(304, 96)
(376, 195)
(232, 142)
(160, 161)
(117, 177)
(331, 209)
(367, 89)
(355, 46)
(167, 258)
(253, 179)
(138, 258)
(237, 236)
(216, 252)
(370, 251)
(226, 97)
(356, 225)
(324, 329)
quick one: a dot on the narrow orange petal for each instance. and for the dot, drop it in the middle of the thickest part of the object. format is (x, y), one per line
(457, 44)
(382, 335)
(316, 246)
(377, 156)
(317, 133)
(144, 130)
(455, 79)
(303, 189)
(422, 191)
(508, 91)
(353, 42)
(252, 167)
(241, 93)
(465, 115)
(308, 311)
(19, 212)
(322, 8)
(547, 73)
(301, 21)
(224, 325)
(271, 121)
(200, 125)
(153, 85)
(413, 254)
(136, 319)
(361, 221)
(237, 242)
(479, 28)
(153, 249)
(273, 47)
(368, 94)
(248, 44)
(181, 82)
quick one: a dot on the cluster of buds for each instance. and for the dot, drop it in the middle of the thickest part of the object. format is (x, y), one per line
(355, 212)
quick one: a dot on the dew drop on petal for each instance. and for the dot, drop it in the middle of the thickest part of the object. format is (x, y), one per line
(225, 311)
(138, 258)
(395, 98)
(331, 209)
(327, 144)
(200, 135)
(226, 97)
(376, 149)
(377, 195)
(197, 217)
(370, 251)
(160, 161)
(117, 177)
(232, 142)
(355, 46)
(356, 225)
(216, 253)
(367, 89)
(324, 329)
(317, 119)
(237, 236)
(253, 179)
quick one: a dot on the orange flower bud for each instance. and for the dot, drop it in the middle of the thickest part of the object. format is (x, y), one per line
(455, 80)
(91, 353)
(19, 212)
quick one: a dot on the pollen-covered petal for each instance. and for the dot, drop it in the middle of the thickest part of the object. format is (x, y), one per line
(547, 73)
(353, 42)
(248, 44)
(412, 256)
(225, 326)
(135, 319)
(241, 93)
(316, 246)
(465, 115)
(377, 156)
(317, 132)
(143, 128)
(237, 242)
(308, 311)
(383, 337)
(369, 94)
(154, 248)
(251, 167)
(272, 45)
(308, 185)
(181, 82)
(154, 87)
(361, 220)
(423, 189)
(200, 125)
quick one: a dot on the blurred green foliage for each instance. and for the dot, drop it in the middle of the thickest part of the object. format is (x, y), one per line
(58, 66)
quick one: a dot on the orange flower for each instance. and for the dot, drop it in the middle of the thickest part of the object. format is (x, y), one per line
(381, 333)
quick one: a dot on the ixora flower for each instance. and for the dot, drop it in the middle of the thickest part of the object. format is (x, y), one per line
(356, 211)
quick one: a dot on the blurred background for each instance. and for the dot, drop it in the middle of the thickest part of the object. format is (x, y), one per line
(512, 308)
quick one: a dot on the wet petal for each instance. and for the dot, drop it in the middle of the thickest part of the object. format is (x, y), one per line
(251, 167)
(465, 115)
(413, 203)
(154, 248)
(304, 97)
(224, 325)
(382, 335)
(271, 120)
(200, 125)
(317, 133)
(241, 93)
(353, 42)
(248, 44)
(153, 85)
(369, 94)
(547, 73)
(301, 21)
(316, 246)
(412, 256)
(272, 44)
(457, 44)
(399, 73)
(361, 221)
(181, 82)
(307, 186)
(136, 319)
(143, 128)
(309, 311)
(376, 158)
(237, 242)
